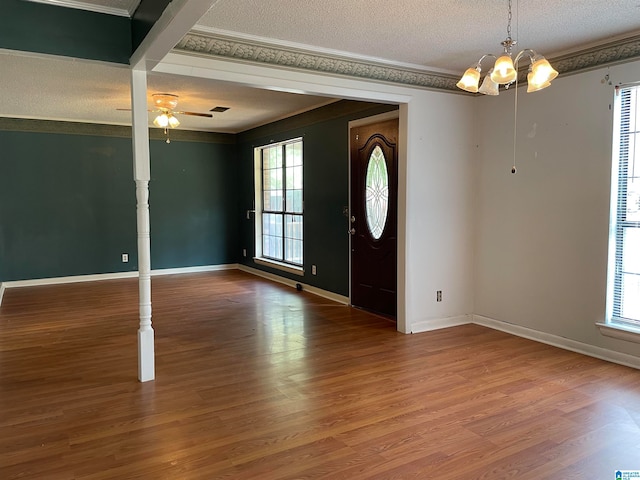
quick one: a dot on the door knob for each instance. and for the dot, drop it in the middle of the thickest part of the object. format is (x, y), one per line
(352, 231)
(353, 219)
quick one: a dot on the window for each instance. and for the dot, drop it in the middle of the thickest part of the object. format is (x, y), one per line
(279, 204)
(377, 193)
(623, 296)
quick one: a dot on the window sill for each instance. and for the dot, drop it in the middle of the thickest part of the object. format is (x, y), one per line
(620, 332)
(279, 265)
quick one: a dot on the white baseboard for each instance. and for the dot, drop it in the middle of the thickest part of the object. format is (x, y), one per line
(292, 283)
(109, 276)
(560, 342)
(438, 323)
(74, 279)
(169, 271)
(204, 268)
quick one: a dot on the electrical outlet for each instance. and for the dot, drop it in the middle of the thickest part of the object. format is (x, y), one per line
(125, 257)
(244, 252)
(439, 296)
(314, 271)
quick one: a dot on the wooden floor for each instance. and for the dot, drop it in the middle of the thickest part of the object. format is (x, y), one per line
(258, 381)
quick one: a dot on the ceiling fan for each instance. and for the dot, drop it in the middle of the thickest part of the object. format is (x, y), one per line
(164, 104)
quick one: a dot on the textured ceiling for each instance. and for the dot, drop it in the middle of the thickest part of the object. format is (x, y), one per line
(441, 36)
(42, 89)
(437, 34)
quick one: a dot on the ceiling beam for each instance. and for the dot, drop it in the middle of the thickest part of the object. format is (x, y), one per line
(174, 23)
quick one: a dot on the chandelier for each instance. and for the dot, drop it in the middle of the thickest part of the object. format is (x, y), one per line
(504, 71)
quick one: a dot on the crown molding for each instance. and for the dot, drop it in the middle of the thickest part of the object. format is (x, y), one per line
(260, 52)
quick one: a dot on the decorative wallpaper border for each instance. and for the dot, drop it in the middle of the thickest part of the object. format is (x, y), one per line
(105, 130)
(210, 44)
(227, 47)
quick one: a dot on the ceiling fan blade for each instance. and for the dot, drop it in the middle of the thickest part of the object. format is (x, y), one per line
(196, 114)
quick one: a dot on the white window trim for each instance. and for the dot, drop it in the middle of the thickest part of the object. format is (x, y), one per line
(610, 327)
(258, 258)
(615, 330)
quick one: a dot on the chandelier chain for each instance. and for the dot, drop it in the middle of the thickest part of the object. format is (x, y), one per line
(509, 22)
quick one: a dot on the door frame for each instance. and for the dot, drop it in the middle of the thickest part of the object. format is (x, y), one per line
(401, 323)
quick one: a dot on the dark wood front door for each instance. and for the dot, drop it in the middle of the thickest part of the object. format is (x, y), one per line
(373, 220)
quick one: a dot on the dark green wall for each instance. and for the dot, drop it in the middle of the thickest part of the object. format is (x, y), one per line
(193, 204)
(325, 135)
(36, 27)
(67, 196)
(67, 201)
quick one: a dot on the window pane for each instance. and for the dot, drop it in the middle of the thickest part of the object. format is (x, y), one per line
(266, 180)
(294, 251)
(271, 180)
(293, 237)
(377, 193)
(631, 250)
(293, 226)
(297, 177)
(297, 201)
(630, 296)
(294, 154)
(272, 157)
(276, 201)
(267, 228)
(294, 201)
(633, 199)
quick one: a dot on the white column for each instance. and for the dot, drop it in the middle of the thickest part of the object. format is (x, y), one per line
(142, 175)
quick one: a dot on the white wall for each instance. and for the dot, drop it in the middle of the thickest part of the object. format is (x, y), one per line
(440, 196)
(542, 234)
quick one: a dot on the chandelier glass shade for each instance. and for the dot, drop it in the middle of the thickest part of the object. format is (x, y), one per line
(503, 71)
(489, 87)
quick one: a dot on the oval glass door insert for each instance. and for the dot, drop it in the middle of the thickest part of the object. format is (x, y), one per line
(377, 193)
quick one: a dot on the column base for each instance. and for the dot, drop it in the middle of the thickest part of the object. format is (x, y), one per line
(146, 356)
